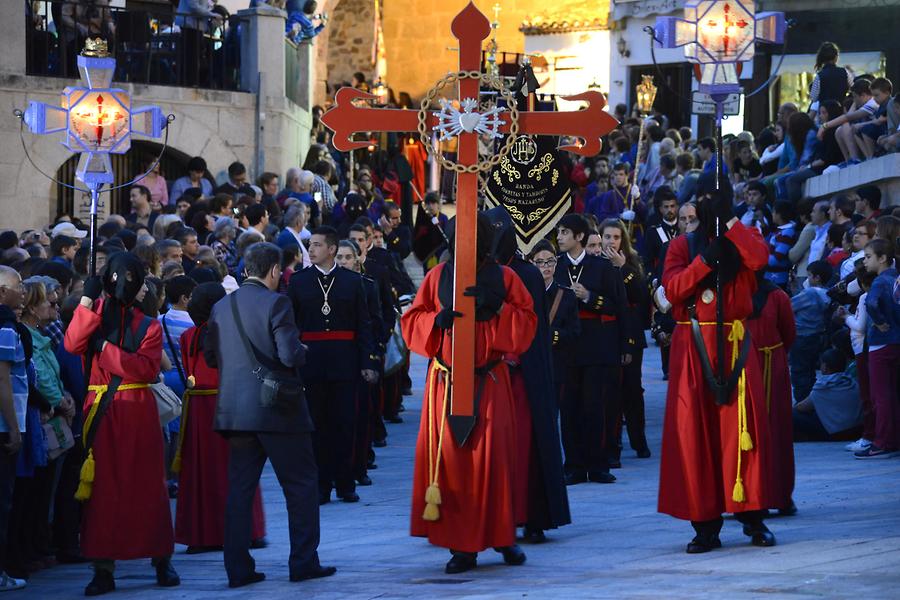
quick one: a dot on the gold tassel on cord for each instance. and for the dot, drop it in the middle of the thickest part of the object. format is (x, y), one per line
(86, 481)
(738, 493)
(433, 492)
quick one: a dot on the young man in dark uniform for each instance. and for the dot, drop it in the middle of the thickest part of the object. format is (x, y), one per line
(660, 230)
(333, 318)
(595, 363)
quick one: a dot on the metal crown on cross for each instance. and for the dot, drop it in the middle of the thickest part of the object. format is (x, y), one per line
(347, 117)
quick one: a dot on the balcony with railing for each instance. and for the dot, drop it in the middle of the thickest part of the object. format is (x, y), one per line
(158, 47)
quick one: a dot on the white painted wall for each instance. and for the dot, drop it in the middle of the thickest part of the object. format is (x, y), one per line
(575, 59)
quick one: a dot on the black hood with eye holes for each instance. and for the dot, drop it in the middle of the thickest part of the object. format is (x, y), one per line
(123, 277)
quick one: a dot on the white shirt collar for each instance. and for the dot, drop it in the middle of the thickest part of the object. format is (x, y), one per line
(329, 271)
(577, 261)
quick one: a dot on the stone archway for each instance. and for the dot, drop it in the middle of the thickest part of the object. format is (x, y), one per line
(346, 45)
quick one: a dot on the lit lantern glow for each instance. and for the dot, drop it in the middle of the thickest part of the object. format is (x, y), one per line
(717, 35)
(646, 94)
(97, 119)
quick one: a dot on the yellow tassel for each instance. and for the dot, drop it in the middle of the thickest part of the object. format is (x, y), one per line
(432, 512)
(738, 493)
(433, 494)
(746, 442)
(86, 482)
(176, 463)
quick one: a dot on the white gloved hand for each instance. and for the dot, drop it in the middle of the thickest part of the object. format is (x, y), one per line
(635, 192)
(628, 215)
(435, 220)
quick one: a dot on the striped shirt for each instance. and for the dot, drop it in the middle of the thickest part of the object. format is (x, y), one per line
(13, 352)
(175, 322)
(780, 242)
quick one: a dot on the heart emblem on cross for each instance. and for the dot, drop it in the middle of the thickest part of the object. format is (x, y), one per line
(469, 121)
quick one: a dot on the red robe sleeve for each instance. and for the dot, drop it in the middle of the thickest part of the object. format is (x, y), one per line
(513, 330)
(680, 277)
(417, 323)
(143, 365)
(786, 324)
(750, 245)
(84, 323)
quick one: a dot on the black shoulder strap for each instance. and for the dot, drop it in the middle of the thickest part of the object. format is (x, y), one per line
(174, 354)
(252, 352)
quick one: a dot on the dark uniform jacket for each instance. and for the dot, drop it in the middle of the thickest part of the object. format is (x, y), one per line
(637, 313)
(603, 337)
(341, 342)
(564, 329)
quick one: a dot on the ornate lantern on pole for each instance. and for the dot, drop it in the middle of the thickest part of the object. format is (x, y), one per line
(645, 93)
(97, 120)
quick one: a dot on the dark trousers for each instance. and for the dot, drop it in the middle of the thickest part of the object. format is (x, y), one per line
(366, 402)
(883, 384)
(588, 392)
(803, 360)
(292, 459)
(67, 510)
(333, 408)
(7, 487)
(808, 427)
(193, 46)
(633, 403)
(664, 358)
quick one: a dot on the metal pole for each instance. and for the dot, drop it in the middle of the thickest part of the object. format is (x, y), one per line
(92, 261)
(720, 307)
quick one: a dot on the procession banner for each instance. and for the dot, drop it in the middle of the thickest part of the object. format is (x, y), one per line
(532, 186)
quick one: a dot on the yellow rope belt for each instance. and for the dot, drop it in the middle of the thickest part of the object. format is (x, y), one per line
(745, 442)
(86, 480)
(767, 371)
(433, 492)
(185, 401)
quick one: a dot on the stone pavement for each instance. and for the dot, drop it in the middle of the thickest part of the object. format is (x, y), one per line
(844, 542)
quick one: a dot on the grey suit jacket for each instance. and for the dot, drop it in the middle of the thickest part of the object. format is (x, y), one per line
(268, 320)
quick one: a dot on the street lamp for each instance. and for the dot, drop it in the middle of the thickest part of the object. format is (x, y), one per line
(97, 120)
(645, 93)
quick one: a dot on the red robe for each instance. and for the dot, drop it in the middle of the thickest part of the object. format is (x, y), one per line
(203, 482)
(476, 481)
(699, 465)
(773, 335)
(127, 515)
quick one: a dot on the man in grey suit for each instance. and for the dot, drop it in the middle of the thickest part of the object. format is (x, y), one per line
(283, 434)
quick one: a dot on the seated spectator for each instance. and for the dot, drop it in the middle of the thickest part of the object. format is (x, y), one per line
(813, 238)
(745, 166)
(300, 24)
(196, 178)
(831, 82)
(801, 146)
(142, 212)
(861, 235)
(237, 178)
(833, 407)
(839, 245)
(753, 209)
(863, 110)
(867, 134)
(780, 241)
(826, 154)
(868, 203)
(810, 307)
(772, 146)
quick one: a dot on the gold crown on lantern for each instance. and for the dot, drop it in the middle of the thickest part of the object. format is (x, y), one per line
(96, 48)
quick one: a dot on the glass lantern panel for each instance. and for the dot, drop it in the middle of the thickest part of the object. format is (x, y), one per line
(96, 72)
(99, 121)
(725, 29)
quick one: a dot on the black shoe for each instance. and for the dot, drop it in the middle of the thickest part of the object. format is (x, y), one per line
(512, 555)
(102, 583)
(461, 562)
(576, 478)
(395, 420)
(173, 490)
(665, 376)
(71, 558)
(166, 576)
(601, 477)
(348, 497)
(759, 534)
(534, 536)
(317, 573)
(702, 543)
(364, 481)
(379, 443)
(259, 543)
(402, 408)
(371, 466)
(324, 497)
(252, 578)
(643, 453)
(615, 464)
(788, 511)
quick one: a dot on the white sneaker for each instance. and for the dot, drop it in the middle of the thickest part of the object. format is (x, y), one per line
(858, 446)
(8, 584)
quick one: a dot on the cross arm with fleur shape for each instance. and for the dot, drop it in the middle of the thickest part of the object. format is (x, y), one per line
(347, 117)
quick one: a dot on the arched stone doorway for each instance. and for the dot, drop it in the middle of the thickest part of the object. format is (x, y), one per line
(126, 167)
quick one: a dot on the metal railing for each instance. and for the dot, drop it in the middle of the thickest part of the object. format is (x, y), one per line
(151, 47)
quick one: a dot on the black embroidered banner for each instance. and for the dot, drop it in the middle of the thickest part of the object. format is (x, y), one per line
(533, 188)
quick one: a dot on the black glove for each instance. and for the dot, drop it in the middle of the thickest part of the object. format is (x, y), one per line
(729, 259)
(712, 253)
(445, 318)
(93, 287)
(485, 298)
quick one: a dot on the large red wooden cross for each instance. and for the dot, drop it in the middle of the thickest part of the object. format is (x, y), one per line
(347, 117)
